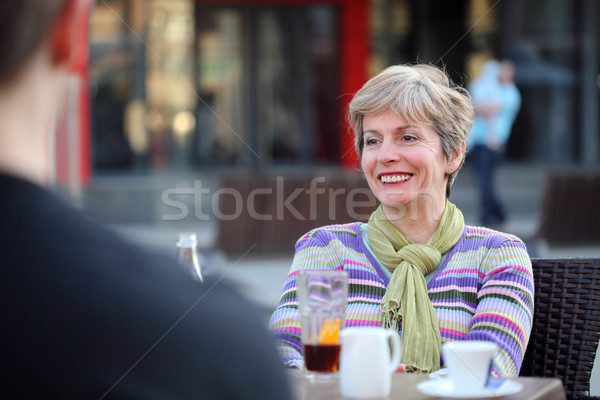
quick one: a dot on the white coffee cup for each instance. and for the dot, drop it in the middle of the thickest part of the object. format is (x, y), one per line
(366, 364)
(468, 363)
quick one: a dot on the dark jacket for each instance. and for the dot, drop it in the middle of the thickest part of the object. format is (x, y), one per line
(89, 316)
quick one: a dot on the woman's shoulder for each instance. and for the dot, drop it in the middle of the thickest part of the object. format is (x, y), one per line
(480, 242)
(491, 249)
(348, 231)
(488, 235)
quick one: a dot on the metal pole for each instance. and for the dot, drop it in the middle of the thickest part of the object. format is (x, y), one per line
(589, 89)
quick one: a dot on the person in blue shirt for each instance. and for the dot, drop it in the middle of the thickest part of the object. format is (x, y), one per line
(497, 101)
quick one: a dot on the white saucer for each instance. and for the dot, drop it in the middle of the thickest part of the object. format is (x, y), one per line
(441, 387)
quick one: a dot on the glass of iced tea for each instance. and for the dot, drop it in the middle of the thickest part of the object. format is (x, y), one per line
(322, 298)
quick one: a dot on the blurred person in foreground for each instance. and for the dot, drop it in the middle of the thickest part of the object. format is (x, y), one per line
(496, 101)
(86, 315)
(415, 266)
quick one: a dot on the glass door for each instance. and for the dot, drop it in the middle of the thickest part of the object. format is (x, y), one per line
(222, 75)
(267, 85)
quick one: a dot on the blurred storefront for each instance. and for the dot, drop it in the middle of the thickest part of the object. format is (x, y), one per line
(186, 85)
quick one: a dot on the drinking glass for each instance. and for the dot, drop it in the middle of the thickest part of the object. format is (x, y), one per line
(322, 298)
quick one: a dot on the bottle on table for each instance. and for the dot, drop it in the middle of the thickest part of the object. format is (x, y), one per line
(187, 254)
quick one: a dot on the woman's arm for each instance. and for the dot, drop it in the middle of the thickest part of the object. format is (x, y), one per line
(285, 324)
(505, 305)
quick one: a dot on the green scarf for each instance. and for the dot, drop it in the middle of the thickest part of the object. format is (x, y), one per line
(406, 297)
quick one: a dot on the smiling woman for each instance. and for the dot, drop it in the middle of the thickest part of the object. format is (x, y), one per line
(415, 266)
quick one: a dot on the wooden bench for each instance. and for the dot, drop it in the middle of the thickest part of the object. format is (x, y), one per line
(571, 208)
(268, 212)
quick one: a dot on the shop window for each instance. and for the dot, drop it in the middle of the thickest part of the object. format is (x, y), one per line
(267, 79)
(177, 84)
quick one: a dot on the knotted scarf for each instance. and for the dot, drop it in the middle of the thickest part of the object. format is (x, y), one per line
(406, 297)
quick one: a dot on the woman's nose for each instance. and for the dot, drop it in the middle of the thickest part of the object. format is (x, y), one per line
(387, 154)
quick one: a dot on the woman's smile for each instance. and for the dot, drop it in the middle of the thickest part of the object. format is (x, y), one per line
(394, 178)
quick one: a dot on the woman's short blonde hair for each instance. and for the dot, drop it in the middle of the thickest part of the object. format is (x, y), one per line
(420, 94)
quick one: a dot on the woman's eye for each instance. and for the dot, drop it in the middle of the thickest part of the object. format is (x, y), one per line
(408, 138)
(370, 141)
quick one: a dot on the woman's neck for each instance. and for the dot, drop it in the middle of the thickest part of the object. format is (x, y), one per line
(419, 221)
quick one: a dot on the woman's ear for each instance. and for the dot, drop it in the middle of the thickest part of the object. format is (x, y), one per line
(457, 156)
(68, 40)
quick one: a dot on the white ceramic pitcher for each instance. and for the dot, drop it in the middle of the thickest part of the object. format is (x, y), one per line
(366, 363)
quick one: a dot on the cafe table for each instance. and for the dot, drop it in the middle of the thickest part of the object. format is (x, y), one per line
(404, 386)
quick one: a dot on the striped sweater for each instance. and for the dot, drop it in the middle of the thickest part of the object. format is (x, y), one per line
(483, 290)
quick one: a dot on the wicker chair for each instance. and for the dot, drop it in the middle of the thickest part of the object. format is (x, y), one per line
(566, 323)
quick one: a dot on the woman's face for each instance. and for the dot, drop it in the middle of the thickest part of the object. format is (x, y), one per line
(405, 166)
